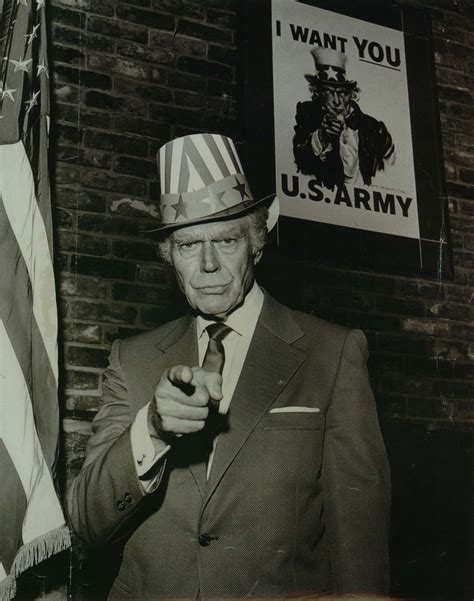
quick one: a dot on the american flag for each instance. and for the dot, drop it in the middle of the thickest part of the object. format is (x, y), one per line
(32, 525)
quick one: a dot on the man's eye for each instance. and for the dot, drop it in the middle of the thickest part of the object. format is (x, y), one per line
(188, 248)
(227, 242)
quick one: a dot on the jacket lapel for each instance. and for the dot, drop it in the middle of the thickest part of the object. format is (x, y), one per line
(270, 363)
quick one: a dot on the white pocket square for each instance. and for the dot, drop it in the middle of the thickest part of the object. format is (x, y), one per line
(295, 409)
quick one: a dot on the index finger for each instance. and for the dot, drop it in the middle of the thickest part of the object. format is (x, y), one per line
(210, 381)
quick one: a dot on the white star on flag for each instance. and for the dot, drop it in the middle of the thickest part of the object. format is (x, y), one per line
(39, 4)
(42, 68)
(332, 73)
(8, 93)
(32, 101)
(30, 36)
(21, 65)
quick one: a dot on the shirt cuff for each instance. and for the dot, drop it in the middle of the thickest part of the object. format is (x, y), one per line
(145, 454)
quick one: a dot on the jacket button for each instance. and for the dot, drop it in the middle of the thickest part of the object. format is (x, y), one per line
(120, 505)
(204, 540)
(128, 497)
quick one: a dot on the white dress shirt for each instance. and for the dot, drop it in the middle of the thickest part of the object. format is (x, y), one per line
(236, 345)
(348, 151)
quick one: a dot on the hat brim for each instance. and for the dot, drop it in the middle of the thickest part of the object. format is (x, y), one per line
(337, 84)
(229, 213)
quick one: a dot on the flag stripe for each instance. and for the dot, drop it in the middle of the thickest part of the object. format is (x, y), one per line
(192, 153)
(161, 162)
(38, 165)
(18, 193)
(223, 149)
(184, 176)
(209, 139)
(14, 285)
(44, 399)
(26, 339)
(176, 157)
(195, 180)
(166, 184)
(208, 155)
(43, 512)
(12, 509)
(233, 154)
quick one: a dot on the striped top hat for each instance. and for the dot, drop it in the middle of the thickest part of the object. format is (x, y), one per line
(202, 180)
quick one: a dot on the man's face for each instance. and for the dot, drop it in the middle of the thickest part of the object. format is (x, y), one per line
(214, 265)
(337, 100)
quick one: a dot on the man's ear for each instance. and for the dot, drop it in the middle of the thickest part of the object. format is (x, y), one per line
(257, 256)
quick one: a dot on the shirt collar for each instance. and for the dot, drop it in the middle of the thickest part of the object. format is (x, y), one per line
(244, 319)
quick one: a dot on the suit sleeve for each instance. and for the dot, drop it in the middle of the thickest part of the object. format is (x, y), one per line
(305, 159)
(107, 492)
(356, 479)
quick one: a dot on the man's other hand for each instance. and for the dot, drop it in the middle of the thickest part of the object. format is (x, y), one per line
(180, 403)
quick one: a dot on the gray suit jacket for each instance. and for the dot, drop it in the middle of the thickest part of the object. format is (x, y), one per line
(296, 502)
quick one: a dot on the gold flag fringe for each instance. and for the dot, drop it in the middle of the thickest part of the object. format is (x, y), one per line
(33, 553)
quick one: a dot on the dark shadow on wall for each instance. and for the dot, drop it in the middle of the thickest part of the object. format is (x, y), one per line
(432, 530)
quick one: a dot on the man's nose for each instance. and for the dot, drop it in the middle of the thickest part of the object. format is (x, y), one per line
(209, 258)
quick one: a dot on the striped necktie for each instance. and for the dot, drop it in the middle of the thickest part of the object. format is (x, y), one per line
(215, 355)
(214, 361)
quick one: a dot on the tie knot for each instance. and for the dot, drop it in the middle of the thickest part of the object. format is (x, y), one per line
(218, 331)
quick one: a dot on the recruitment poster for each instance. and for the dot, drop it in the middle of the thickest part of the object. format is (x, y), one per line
(343, 139)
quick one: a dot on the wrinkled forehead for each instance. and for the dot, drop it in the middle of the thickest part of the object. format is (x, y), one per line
(211, 231)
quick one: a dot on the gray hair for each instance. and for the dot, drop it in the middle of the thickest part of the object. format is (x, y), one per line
(257, 222)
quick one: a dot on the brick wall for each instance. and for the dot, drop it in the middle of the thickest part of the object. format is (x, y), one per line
(129, 76)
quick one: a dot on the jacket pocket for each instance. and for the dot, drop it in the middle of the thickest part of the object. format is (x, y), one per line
(292, 420)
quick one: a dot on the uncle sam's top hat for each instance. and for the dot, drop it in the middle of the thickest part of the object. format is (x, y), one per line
(202, 180)
(330, 67)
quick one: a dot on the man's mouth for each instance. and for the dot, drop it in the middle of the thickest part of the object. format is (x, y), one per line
(217, 289)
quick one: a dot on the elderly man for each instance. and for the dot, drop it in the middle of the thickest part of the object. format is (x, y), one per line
(237, 450)
(334, 140)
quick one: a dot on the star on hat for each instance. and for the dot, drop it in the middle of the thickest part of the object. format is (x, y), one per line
(240, 187)
(332, 73)
(181, 208)
(216, 198)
